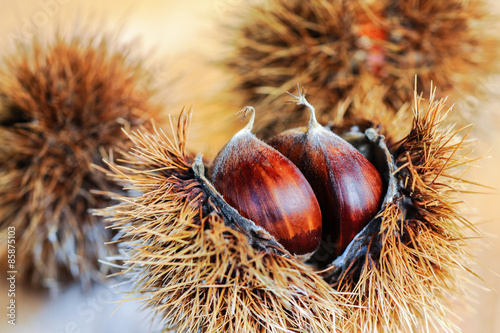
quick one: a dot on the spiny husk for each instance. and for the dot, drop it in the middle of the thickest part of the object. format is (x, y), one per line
(64, 103)
(195, 272)
(340, 50)
(408, 275)
(198, 272)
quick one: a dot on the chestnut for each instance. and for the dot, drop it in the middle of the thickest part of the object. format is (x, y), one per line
(268, 189)
(348, 187)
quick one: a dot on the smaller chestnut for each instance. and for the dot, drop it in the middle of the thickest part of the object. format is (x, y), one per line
(347, 185)
(268, 189)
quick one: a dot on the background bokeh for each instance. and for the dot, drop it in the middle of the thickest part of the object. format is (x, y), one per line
(181, 38)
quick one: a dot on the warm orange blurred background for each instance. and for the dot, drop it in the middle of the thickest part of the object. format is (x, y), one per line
(182, 36)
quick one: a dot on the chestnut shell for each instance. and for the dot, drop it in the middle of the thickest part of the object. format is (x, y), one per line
(268, 189)
(348, 187)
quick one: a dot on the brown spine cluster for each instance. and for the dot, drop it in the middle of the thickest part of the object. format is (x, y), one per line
(64, 104)
(349, 51)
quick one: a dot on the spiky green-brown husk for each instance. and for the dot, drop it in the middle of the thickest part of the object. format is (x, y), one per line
(64, 103)
(197, 273)
(408, 274)
(343, 50)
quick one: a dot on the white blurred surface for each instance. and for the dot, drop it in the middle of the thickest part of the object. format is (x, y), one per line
(74, 311)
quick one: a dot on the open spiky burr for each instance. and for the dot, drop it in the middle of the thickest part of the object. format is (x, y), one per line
(202, 269)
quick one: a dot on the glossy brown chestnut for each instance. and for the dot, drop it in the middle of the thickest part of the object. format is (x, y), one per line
(267, 188)
(347, 185)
